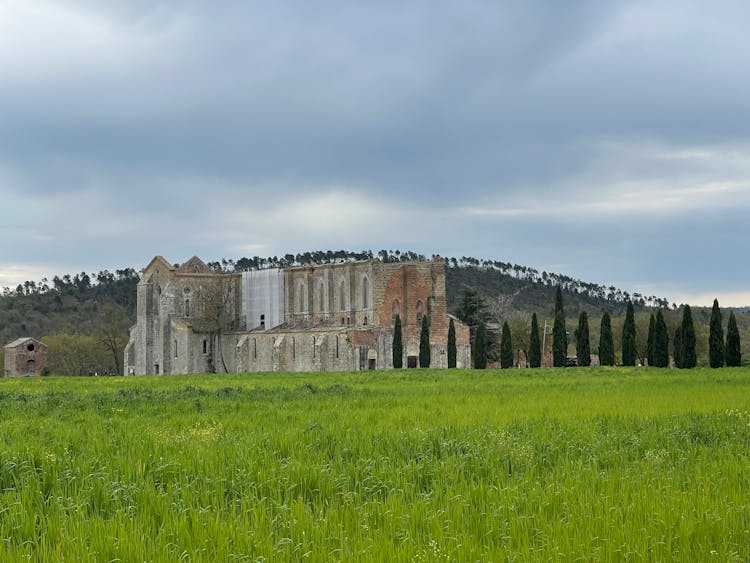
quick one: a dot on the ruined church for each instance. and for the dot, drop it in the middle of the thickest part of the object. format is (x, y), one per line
(331, 317)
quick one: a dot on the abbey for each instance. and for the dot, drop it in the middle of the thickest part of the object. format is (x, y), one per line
(332, 317)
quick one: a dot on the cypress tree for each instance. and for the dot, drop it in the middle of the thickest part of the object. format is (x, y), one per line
(398, 346)
(628, 337)
(734, 355)
(535, 345)
(661, 342)
(479, 353)
(716, 338)
(451, 344)
(424, 343)
(677, 347)
(650, 342)
(559, 337)
(606, 343)
(506, 347)
(583, 348)
(689, 359)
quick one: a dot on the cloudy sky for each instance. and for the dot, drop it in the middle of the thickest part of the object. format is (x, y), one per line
(606, 140)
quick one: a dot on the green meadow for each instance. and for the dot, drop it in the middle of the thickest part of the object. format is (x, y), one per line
(421, 465)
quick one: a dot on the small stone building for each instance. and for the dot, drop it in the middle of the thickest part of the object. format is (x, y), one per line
(25, 356)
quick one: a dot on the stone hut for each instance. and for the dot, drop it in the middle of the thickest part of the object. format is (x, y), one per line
(25, 356)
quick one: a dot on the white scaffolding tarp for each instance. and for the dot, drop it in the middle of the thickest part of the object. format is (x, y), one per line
(263, 298)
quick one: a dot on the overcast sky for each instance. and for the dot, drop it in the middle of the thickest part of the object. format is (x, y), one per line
(605, 140)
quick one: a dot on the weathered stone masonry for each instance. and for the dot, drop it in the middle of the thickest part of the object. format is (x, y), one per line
(333, 317)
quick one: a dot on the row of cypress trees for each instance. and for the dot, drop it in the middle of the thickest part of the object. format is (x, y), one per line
(424, 344)
(657, 352)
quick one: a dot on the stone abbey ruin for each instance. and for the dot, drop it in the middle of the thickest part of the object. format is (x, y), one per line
(332, 317)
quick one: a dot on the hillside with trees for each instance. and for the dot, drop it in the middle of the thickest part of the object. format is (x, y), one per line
(84, 317)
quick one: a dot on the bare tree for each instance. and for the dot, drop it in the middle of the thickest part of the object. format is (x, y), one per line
(520, 330)
(215, 314)
(111, 329)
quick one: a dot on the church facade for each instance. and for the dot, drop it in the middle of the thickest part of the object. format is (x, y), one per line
(332, 317)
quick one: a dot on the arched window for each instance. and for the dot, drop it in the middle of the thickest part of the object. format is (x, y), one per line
(187, 307)
(395, 309)
(205, 346)
(365, 297)
(300, 297)
(365, 321)
(419, 311)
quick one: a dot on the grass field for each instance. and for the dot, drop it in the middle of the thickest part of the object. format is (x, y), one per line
(419, 465)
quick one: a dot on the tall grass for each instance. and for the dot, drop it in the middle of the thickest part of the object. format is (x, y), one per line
(418, 465)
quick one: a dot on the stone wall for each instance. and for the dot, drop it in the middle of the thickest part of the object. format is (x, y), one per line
(25, 356)
(336, 317)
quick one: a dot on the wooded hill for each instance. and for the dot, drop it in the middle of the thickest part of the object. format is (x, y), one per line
(94, 305)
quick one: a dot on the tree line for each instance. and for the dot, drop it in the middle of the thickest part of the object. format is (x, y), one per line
(722, 351)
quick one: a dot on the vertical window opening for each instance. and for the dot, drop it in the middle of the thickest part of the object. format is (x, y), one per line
(175, 348)
(205, 346)
(313, 346)
(255, 349)
(337, 346)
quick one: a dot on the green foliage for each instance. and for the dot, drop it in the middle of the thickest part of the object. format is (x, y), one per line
(559, 334)
(661, 342)
(716, 354)
(733, 351)
(677, 347)
(535, 345)
(650, 343)
(451, 344)
(629, 354)
(606, 342)
(583, 348)
(398, 346)
(506, 348)
(479, 350)
(435, 465)
(76, 354)
(689, 358)
(424, 343)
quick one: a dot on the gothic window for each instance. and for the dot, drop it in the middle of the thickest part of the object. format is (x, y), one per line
(430, 305)
(395, 309)
(300, 297)
(419, 311)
